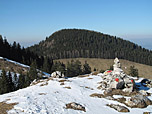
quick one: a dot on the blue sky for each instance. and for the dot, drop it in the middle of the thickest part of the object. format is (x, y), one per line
(30, 21)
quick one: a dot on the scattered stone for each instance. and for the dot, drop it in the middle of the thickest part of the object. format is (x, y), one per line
(111, 92)
(103, 85)
(89, 88)
(145, 93)
(109, 98)
(44, 84)
(62, 83)
(75, 106)
(138, 101)
(121, 100)
(147, 113)
(119, 108)
(97, 95)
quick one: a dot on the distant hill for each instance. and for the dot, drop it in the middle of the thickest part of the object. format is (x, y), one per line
(77, 43)
(104, 64)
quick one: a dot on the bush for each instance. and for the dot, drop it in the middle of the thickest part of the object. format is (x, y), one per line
(133, 71)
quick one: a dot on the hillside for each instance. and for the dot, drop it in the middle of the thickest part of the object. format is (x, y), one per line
(104, 64)
(13, 66)
(17, 53)
(77, 43)
(50, 96)
(14, 75)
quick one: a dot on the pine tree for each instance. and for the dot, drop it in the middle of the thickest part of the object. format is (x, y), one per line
(1, 86)
(47, 64)
(21, 81)
(133, 71)
(77, 67)
(4, 82)
(33, 74)
(27, 80)
(86, 68)
(10, 83)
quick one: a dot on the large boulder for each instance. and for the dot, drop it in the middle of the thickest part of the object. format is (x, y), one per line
(57, 74)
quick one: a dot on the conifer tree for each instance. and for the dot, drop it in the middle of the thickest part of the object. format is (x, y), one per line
(133, 71)
(33, 71)
(10, 83)
(21, 81)
(86, 68)
(47, 64)
(4, 82)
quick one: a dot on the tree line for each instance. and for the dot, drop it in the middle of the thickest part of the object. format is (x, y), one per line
(10, 81)
(19, 54)
(73, 68)
(77, 43)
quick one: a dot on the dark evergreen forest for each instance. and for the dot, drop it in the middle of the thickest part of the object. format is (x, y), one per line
(19, 54)
(76, 43)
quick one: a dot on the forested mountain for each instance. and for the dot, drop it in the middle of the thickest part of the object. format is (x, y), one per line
(19, 54)
(75, 43)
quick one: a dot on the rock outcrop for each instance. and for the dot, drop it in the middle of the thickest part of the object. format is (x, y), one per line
(57, 74)
(75, 106)
(117, 79)
(119, 108)
(138, 101)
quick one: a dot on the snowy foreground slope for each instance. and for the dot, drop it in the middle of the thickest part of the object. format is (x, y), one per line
(51, 97)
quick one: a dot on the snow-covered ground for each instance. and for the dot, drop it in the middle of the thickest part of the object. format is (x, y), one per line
(49, 97)
(23, 65)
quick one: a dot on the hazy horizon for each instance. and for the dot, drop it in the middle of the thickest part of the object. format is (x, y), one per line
(30, 21)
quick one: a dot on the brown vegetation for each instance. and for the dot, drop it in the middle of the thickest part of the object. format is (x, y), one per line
(8, 66)
(75, 106)
(42, 93)
(68, 87)
(119, 108)
(4, 107)
(104, 64)
(97, 95)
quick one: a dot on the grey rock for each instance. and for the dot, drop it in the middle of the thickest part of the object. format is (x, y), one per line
(75, 106)
(138, 101)
(119, 108)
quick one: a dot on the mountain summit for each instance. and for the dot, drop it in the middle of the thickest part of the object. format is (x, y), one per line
(78, 43)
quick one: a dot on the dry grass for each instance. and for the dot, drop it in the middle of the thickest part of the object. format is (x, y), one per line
(95, 73)
(87, 87)
(75, 106)
(104, 64)
(62, 83)
(97, 95)
(4, 107)
(119, 108)
(8, 66)
(90, 78)
(42, 93)
(68, 87)
(81, 76)
(63, 80)
(147, 112)
(44, 84)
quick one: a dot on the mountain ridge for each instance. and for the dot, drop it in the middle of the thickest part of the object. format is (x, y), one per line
(81, 43)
